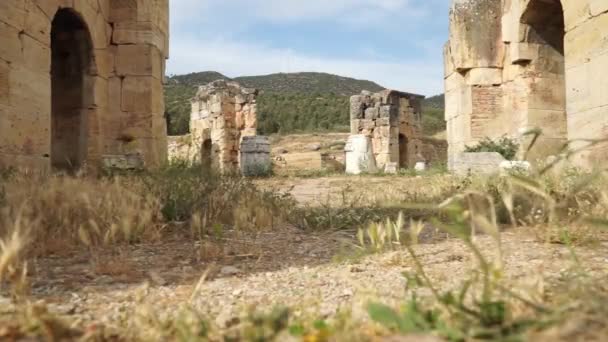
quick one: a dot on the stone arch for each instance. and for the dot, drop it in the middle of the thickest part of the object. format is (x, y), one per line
(403, 151)
(545, 20)
(72, 89)
(542, 23)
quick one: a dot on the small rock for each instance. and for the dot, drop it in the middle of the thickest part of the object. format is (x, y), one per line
(282, 151)
(229, 271)
(314, 147)
(63, 309)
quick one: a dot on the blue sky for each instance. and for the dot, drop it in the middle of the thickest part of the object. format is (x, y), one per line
(397, 43)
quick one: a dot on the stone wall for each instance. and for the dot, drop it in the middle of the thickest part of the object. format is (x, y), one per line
(510, 68)
(81, 79)
(392, 120)
(222, 113)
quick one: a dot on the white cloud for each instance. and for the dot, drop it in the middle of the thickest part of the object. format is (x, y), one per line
(238, 59)
(213, 35)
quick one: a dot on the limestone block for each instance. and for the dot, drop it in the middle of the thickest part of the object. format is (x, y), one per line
(523, 52)
(104, 60)
(10, 45)
(100, 91)
(383, 121)
(4, 83)
(475, 37)
(133, 32)
(255, 156)
(37, 24)
(355, 126)
(598, 7)
(356, 107)
(303, 161)
(579, 89)
(586, 41)
(598, 82)
(454, 81)
(478, 163)
(359, 155)
(484, 76)
(575, 13)
(368, 124)
(448, 63)
(13, 14)
(372, 113)
(138, 60)
(142, 94)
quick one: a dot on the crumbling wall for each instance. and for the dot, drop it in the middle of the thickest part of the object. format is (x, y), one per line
(515, 65)
(222, 114)
(122, 108)
(392, 120)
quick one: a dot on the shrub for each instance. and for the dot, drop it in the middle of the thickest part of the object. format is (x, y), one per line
(505, 146)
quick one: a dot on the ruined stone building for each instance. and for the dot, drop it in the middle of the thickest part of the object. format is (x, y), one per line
(222, 114)
(516, 65)
(81, 80)
(392, 120)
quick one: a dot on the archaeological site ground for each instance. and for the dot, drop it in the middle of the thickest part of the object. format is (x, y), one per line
(141, 206)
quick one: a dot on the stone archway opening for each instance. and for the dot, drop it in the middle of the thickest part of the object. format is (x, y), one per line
(403, 151)
(71, 90)
(544, 30)
(207, 152)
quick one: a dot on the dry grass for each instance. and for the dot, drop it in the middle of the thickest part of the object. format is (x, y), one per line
(41, 214)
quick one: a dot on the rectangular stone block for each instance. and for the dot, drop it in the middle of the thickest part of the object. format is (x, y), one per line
(142, 94)
(598, 7)
(372, 113)
(138, 60)
(132, 32)
(484, 76)
(10, 45)
(4, 83)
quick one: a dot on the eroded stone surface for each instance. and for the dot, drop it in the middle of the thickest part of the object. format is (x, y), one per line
(223, 114)
(392, 120)
(512, 66)
(81, 79)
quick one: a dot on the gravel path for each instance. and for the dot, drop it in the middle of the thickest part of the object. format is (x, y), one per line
(300, 274)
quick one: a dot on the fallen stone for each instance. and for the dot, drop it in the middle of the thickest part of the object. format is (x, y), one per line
(314, 147)
(229, 271)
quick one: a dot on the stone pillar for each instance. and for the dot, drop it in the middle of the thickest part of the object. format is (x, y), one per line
(223, 113)
(255, 156)
(392, 120)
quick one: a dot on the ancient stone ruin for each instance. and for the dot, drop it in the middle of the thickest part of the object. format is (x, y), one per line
(223, 113)
(81, 81)
(516, 65)
(392, 120)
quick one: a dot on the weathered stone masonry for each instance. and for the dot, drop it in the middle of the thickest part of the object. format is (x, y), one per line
(515, 65)
(222, 114)
(80, 79)
(392, 120)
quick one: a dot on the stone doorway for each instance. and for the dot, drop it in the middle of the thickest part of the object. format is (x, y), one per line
(543, 23)
(71, 90)
(207, 152)
(403, 152)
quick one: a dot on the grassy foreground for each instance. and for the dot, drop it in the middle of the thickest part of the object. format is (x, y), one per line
(43, 215)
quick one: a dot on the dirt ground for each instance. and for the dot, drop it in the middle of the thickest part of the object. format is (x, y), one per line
(313, 272)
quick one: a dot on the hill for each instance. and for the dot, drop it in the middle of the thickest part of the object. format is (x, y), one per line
(309, 82)
(297, 102)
